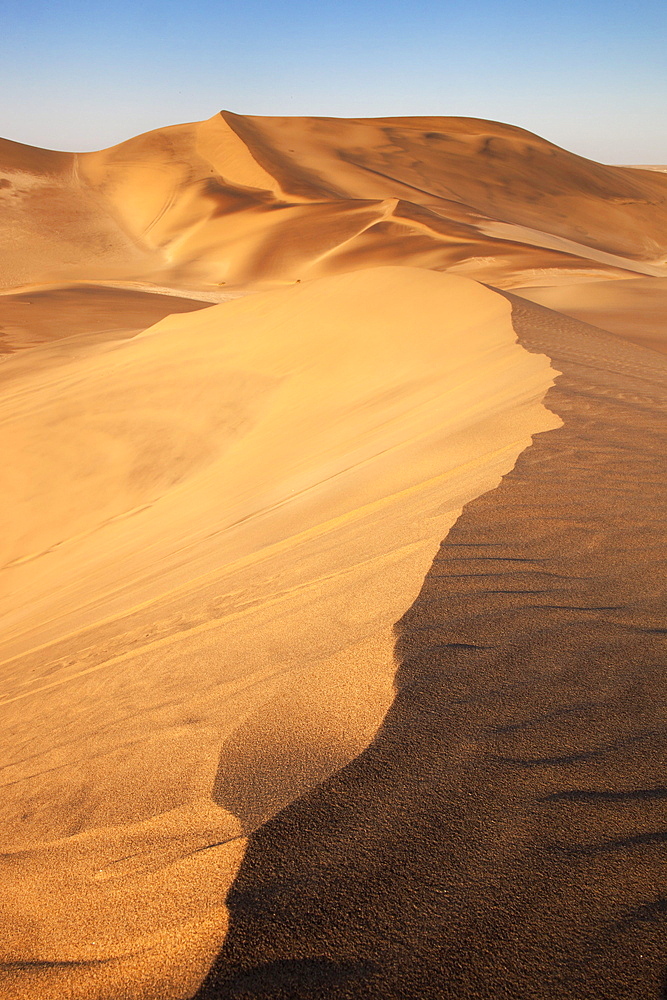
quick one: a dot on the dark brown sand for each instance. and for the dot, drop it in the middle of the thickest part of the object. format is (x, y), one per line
(505, 834)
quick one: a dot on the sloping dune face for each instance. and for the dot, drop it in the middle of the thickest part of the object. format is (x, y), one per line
(199, 622)
(52, 224)
(504, 834)
(238, 199)
(634, 309)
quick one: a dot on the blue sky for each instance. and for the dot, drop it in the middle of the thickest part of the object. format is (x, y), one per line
(588, 75)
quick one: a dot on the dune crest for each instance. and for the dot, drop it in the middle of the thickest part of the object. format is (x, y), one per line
(273, 477)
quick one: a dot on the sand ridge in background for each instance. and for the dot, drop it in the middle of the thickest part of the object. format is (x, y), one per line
(213, 209)
(239, 199)
(250, 380)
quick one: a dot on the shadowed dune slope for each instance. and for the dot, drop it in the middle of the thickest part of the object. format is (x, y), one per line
(240, 200)
(83, 313)
(635, 309)
(504, 834)
(211, 529)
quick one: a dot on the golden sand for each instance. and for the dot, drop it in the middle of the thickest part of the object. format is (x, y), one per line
(252, 373)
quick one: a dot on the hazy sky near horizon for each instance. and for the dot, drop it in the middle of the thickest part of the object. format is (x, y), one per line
(588, 75)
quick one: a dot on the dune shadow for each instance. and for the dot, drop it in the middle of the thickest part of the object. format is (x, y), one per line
(278, 980)
(529, 710)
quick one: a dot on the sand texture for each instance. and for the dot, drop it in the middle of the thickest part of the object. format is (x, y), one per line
(504, 834)
(332, 579)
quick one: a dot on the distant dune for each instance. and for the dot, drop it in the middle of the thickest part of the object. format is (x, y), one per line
(253, 372)
(238, 199)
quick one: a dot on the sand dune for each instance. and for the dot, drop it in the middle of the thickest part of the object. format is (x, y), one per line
(503, 836)
(253, 370)
(238, 199)
(205, 606)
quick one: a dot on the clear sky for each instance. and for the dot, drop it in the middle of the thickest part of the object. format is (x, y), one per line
(588, 75)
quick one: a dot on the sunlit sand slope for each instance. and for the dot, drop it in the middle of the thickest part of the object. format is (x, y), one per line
(240, 200)
(210, 531)
(503, 838)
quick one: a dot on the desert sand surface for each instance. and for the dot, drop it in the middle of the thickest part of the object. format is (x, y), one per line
(635, 310)
(82, 313)
(503, 835)
(331, 611)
